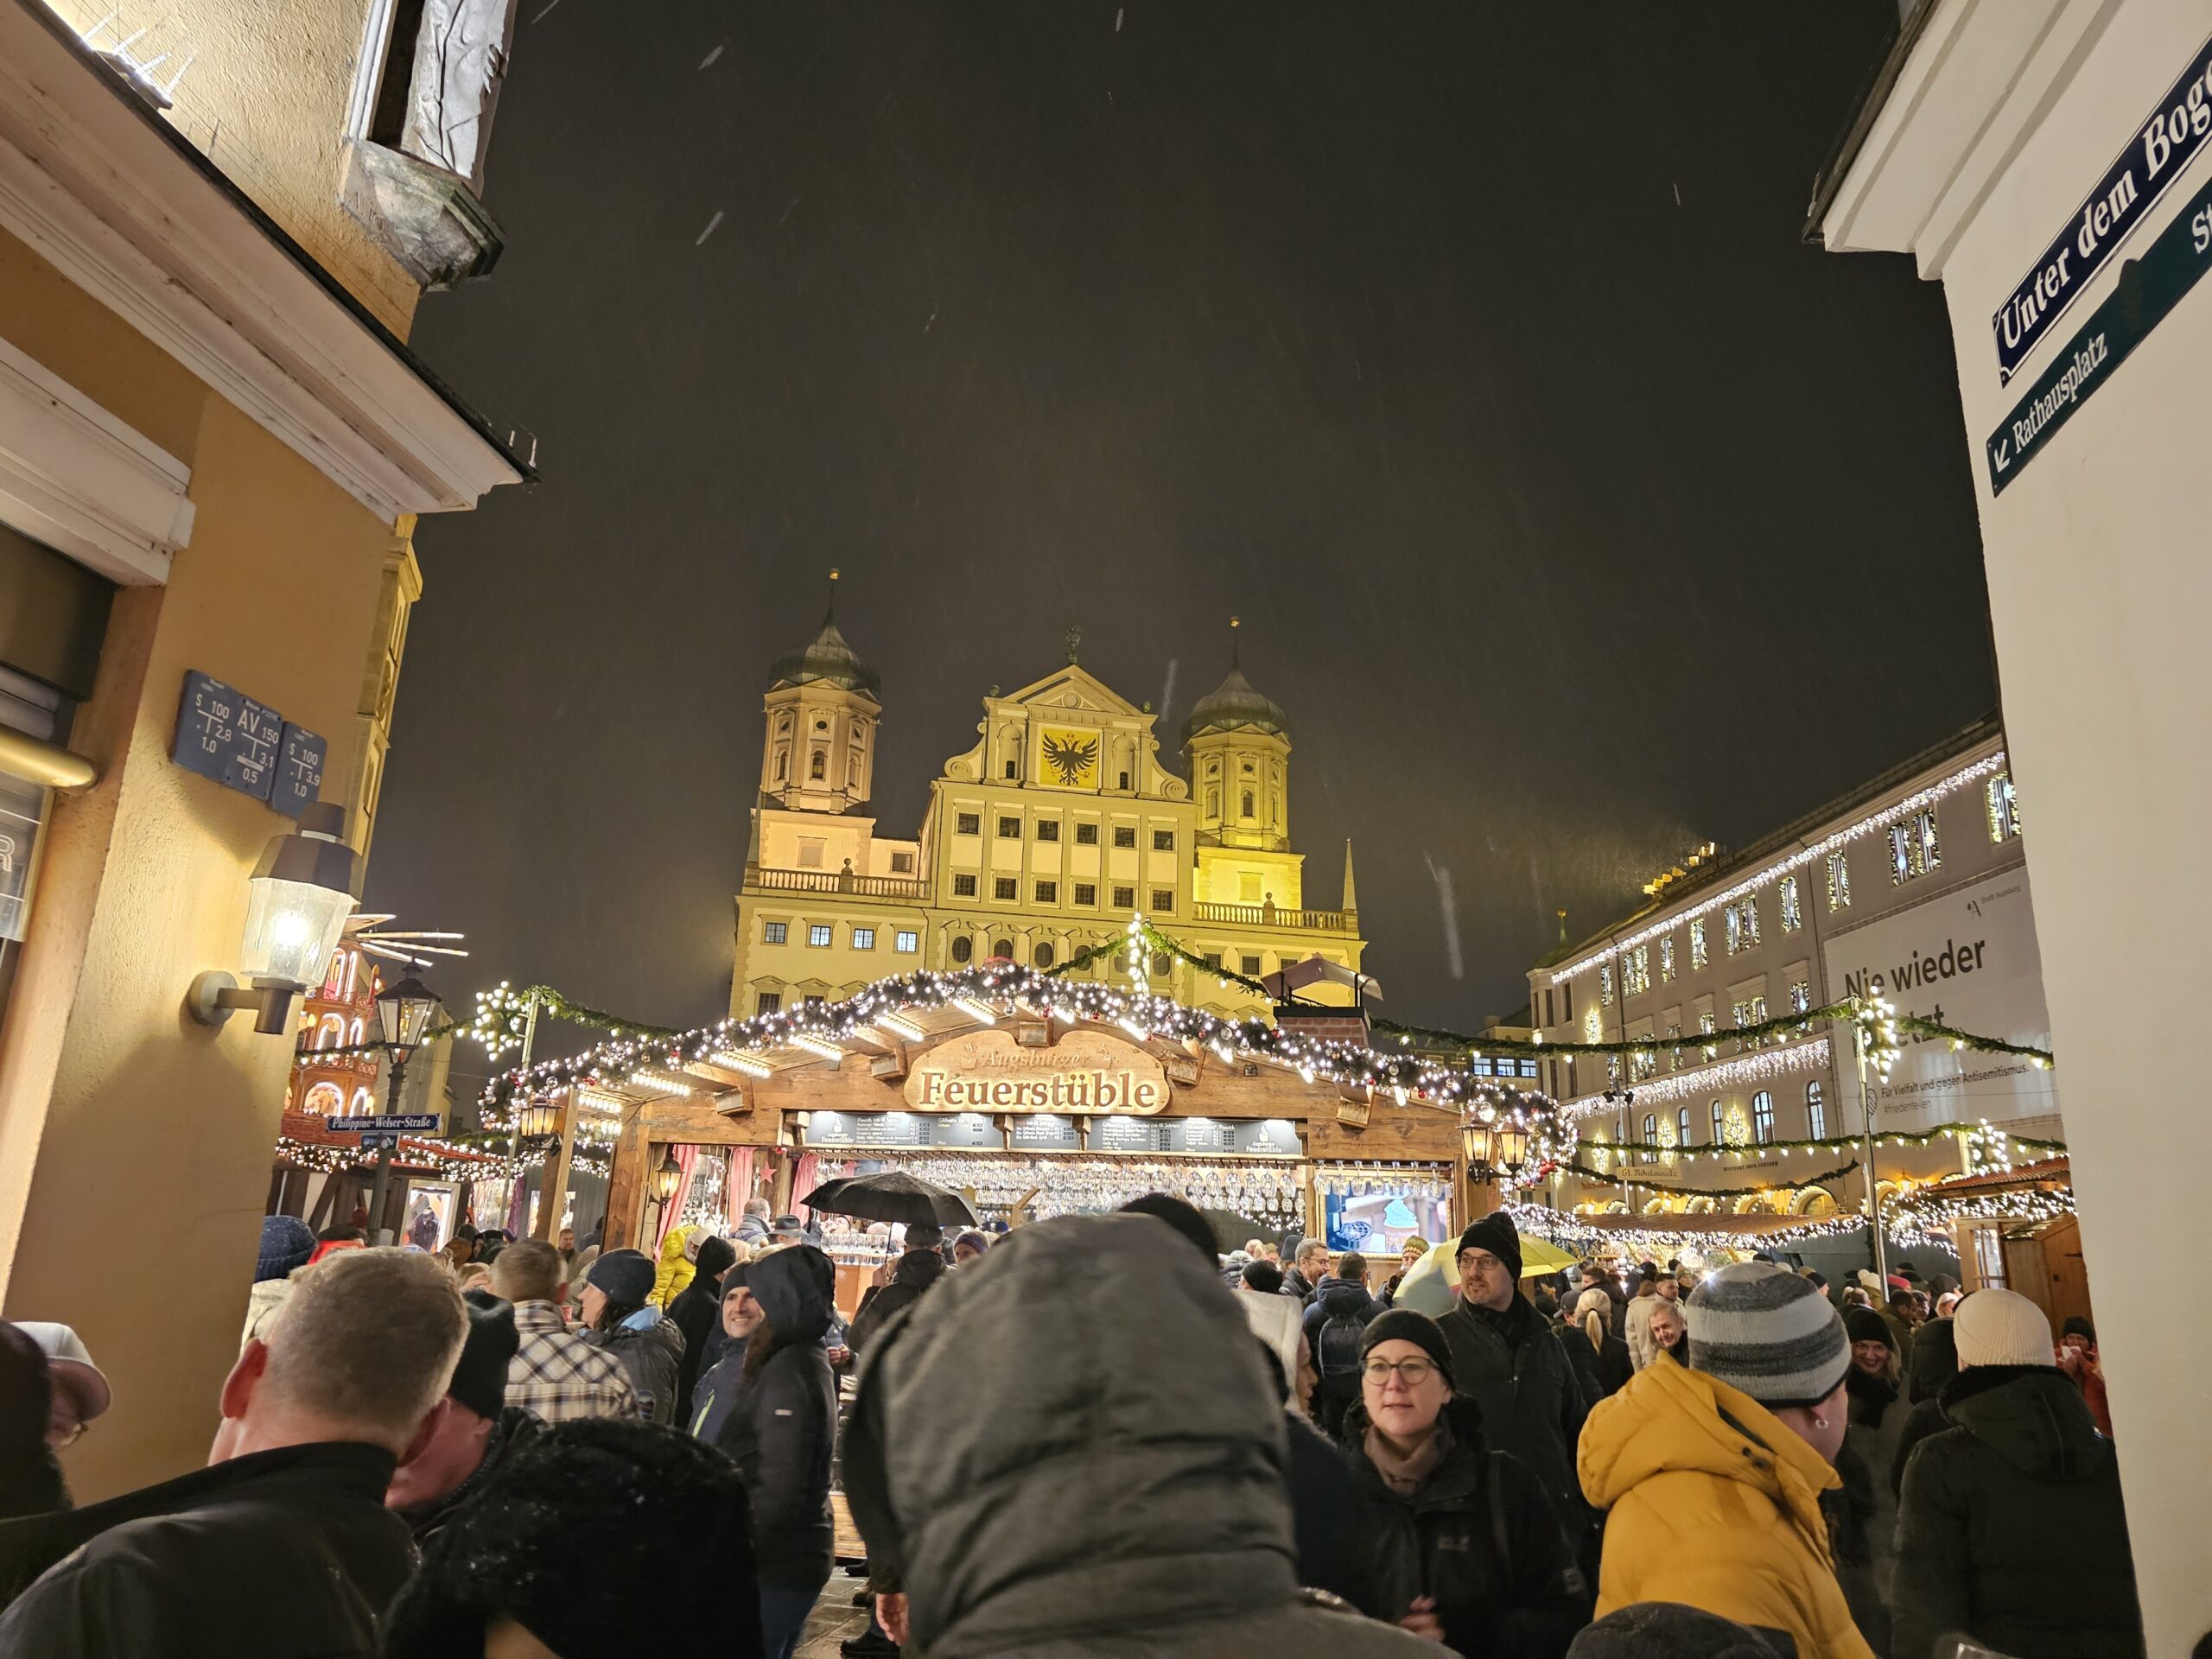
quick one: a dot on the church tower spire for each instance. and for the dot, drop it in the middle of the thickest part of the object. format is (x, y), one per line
(1238, 742)
(821, 710)
(1352, 892)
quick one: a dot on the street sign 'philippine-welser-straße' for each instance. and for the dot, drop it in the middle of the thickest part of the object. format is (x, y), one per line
(2119, 204)
(2149, 288)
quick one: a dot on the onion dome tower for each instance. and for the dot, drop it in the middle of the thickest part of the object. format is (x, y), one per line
(821, 708)
(1237, 741)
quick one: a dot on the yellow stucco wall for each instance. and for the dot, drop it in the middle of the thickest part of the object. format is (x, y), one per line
(266, 96)
(135, 1143)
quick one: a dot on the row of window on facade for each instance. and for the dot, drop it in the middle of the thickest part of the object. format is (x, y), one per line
(1759, 1132)
(822, 935)
(1914, 849)
(1086, 833)
(1007, 888)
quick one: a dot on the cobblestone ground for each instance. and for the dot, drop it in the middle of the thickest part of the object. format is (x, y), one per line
(834, 1619)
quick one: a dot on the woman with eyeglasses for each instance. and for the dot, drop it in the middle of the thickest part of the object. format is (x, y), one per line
(1469, 1552)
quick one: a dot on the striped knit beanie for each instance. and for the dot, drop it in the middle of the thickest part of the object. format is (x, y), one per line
(1759, 1327)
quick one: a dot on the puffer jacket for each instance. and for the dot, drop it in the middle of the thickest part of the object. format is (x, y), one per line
(1517, 1366)
(2011, 1529)
(1480, 1537)
(651, 1355)
(1064, 1463)
(782, 1426)
(916, 1272)
(1713, 1502)
(674, 1269)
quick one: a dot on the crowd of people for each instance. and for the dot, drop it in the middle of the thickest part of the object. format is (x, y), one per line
(1093, 1435)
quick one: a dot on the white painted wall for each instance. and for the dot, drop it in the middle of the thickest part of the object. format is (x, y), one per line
(2099, 564)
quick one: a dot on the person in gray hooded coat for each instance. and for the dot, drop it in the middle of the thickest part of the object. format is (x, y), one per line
(1057, 1463)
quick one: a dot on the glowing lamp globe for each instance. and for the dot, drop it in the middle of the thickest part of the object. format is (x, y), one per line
(404, 1015)
(667, 1177)
(301, 894)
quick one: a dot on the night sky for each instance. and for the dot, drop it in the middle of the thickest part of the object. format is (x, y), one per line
(1576, 512)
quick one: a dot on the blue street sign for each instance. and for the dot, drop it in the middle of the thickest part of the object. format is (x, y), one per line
(2118, 204)
(389, 1124)
(2149, 288)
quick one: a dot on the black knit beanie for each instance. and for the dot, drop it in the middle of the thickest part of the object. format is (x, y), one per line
(1403, 1325)
(479, 1376)
(1495, 1233)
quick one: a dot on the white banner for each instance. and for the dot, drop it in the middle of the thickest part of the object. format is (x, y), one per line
(1968, 959)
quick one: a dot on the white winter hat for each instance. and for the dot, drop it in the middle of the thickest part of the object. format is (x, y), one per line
(2001, 1327)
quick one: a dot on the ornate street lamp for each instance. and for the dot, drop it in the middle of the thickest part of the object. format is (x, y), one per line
(404, 1015)
(667, 1177)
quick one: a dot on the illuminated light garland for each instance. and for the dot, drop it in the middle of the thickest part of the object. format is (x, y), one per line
(1718, 1074)
(1803, 858)
(1962, 1132)
(820, 1046)
(645, 1077)
(898, 1025)
(745, 1061)
(1569, 1231)
(1161, 1017)
(503, 1015)
(1792, 1183)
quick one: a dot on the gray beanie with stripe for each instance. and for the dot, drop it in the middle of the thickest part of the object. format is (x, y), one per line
(1759, 1327)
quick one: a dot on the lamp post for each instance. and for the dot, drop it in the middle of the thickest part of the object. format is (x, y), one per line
(403, 1014)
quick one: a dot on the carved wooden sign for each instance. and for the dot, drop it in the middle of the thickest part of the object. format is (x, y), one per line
(1086, 1073)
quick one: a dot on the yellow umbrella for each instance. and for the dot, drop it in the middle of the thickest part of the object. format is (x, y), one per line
(1540, 1256)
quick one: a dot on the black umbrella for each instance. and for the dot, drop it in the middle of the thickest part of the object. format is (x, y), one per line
(891, 1195)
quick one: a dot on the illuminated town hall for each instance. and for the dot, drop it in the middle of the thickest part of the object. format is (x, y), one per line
(1039, 841)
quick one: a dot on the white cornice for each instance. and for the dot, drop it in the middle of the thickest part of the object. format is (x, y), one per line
(1982, 76)
(87, 181)
(77, 479)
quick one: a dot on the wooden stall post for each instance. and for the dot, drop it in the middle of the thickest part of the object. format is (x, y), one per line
(553, 1191)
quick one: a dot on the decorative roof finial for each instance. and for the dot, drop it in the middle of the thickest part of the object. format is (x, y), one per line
(1235, 623)
(1073, 640)
(830, 616)
(1563, 927)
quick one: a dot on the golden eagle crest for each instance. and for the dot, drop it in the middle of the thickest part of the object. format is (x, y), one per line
(1072, 757)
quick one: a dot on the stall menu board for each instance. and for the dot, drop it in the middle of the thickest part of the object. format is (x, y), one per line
(1131, 1135)
(966, 1129)
(865, 1129)
(1044, 1132)
(1197, 1135)
(223, 734)
(963, 1129)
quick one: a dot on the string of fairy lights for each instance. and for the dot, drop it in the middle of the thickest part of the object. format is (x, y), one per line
(639, 1056)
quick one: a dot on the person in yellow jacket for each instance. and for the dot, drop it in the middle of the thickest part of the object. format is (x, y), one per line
(1712, 1474)
(679, 1254)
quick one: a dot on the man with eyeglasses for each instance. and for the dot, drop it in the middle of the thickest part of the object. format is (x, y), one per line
(1508, 1359)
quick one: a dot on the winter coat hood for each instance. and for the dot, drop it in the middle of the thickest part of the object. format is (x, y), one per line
(1680, 1420)
(1063, 1454)
(673, 1270)
(795, 1286)
(920, 1269)
(1341, 1298)
(1934, 1360)
(2030, 1415)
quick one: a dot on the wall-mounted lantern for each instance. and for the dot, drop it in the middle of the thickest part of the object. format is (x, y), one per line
(301, 894)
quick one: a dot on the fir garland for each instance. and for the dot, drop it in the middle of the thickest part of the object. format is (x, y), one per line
(1821, 1180)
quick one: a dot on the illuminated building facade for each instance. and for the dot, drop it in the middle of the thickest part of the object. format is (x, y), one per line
(1039, 842)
